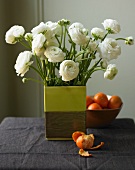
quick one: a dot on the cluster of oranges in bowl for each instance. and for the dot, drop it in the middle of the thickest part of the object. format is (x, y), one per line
(102, 101)
(102, 109)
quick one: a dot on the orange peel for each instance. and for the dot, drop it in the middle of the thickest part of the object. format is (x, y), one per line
(98, 146)
(76, 134)
(84, 153)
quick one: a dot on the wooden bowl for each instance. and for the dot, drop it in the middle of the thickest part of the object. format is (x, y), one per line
(101, 118)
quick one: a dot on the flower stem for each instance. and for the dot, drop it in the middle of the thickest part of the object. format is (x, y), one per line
(65, 37)
(120, 39)
(61, 35)
(35, 69)
(39, 67)
(80, 53)
(37, 81)
(58, 41)
(88, 74)
(44, 68)
(104, 36)
(23, 44)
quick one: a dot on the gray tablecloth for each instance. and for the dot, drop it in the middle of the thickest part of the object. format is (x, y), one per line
(23, 146)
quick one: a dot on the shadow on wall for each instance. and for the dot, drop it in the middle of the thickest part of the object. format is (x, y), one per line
(16, 98)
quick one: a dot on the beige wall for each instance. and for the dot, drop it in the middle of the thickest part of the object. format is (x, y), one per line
(18, 99)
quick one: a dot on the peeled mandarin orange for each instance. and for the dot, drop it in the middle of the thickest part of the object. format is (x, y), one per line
(85, 141)
(79, 142)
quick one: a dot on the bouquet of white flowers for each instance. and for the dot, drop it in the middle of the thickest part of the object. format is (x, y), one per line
(67, 55)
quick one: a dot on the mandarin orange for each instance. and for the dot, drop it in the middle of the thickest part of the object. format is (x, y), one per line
(94, 106)
(114, 102)
(89, 100)
(101, 99)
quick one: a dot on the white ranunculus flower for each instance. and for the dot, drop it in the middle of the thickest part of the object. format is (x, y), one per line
(10, 38)
(78, 34)
(109, 49)
(14, 32)
(51, 42)
(68, 70)
(92, 46)
(41, 28)
(23, 62)
(112, 26)
(54, 54)
(18, 31)
(76, 25)
(40, 53)
(97, 33)
(129, 40)
(110, 72)
(53, 29)
(38, 42)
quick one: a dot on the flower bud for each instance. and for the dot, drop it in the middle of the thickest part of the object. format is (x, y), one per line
(24, 80)
(28, 36)
(111, 72)
(64, 22)
(129, 40)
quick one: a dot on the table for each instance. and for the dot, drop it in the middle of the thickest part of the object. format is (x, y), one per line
(23, 146)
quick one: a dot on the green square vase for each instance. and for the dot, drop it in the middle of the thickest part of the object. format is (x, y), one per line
(65, 111)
